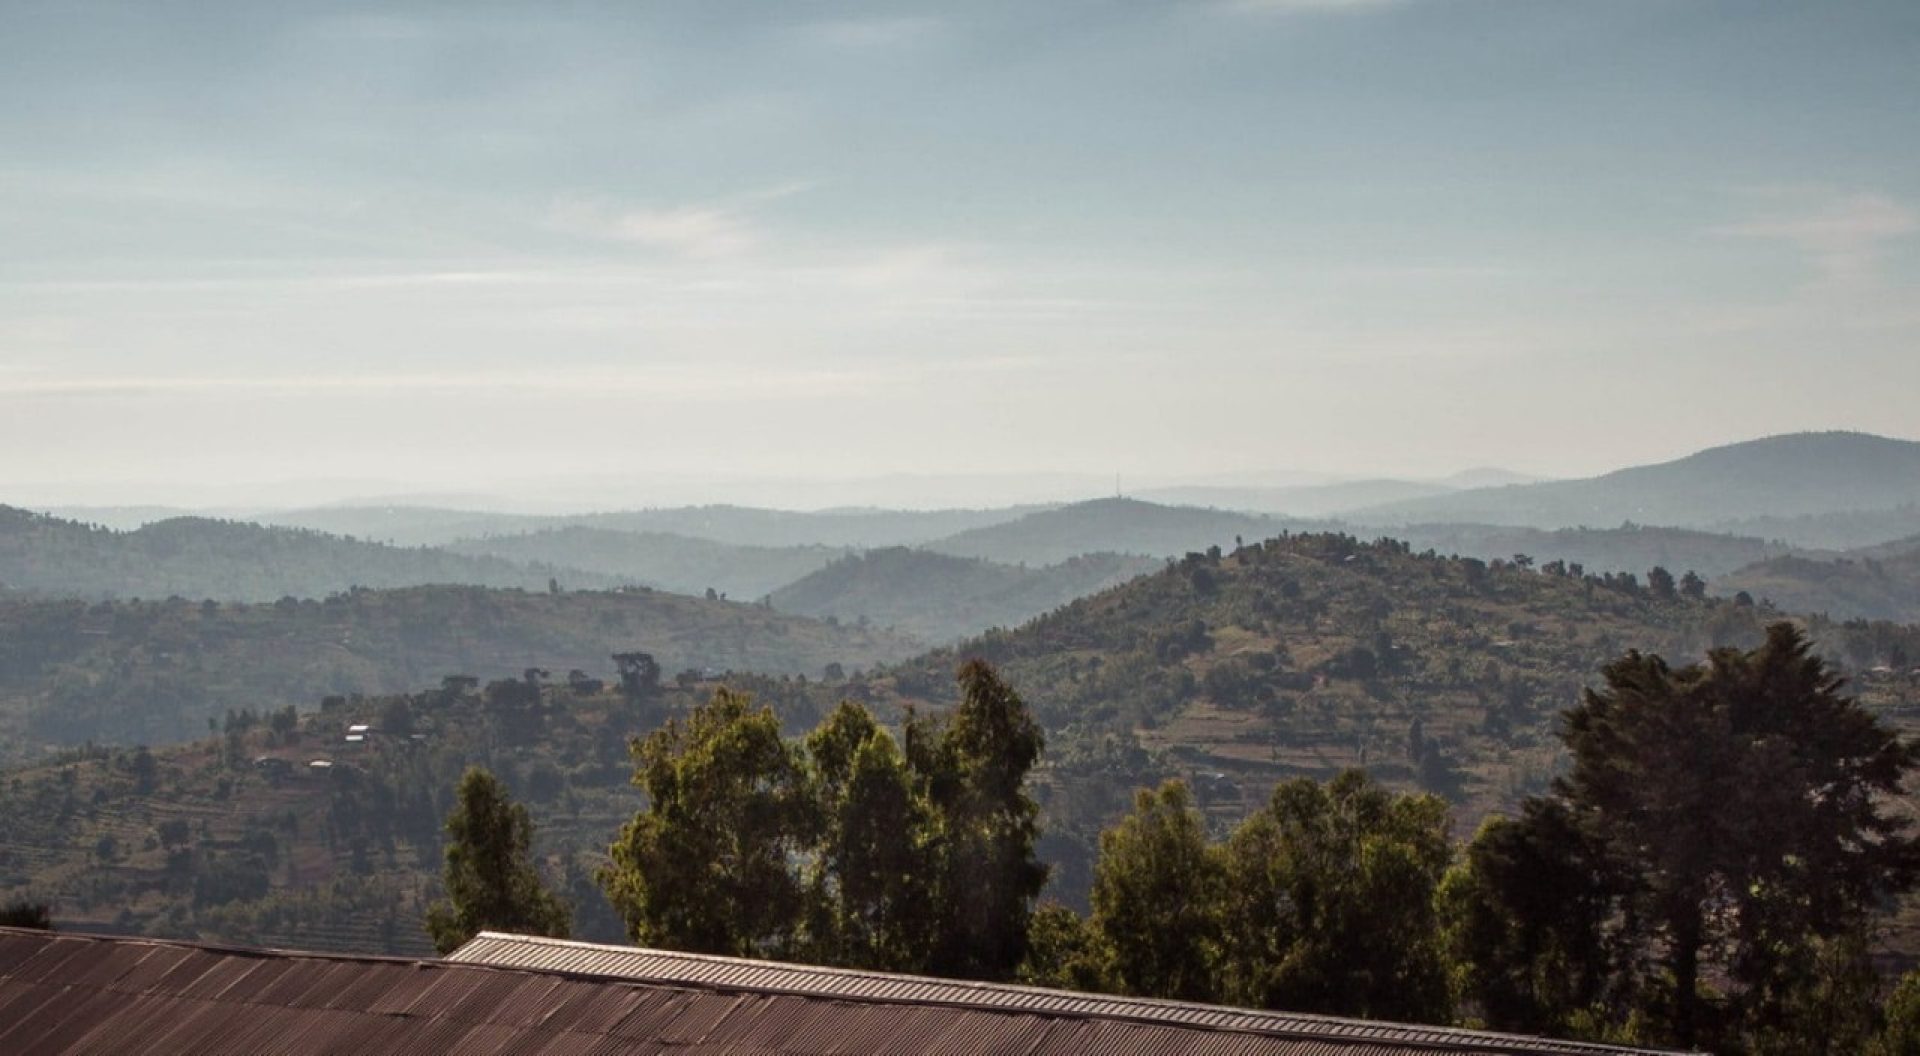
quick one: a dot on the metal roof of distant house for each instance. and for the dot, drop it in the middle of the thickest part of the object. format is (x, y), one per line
(64, 993)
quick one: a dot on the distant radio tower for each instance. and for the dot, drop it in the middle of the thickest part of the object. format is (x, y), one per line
(1116, 486)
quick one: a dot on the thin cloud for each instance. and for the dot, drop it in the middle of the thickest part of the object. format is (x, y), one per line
(1844, 238)
(702, 232)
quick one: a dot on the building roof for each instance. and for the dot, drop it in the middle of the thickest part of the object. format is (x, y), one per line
(65, 993)
(695, 969)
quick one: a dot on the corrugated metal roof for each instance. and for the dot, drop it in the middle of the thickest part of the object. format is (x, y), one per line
(734, 973)
(84, 994)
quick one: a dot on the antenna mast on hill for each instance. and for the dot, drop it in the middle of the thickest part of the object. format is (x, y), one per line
(1116, 485)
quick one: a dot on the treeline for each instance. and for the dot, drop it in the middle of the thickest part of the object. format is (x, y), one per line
(1706, 873)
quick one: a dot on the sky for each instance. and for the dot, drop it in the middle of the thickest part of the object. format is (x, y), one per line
(626, 252)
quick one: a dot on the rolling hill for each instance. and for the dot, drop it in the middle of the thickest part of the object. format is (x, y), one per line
(737, 525)
(938, 597)
(157, 672)
(1297, 656)
(231, 561)
(1877, 583)
(1781, 477)
(1310, 653)
(1121, 526)
(671, 562)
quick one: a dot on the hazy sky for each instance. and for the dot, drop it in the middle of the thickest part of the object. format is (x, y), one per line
(472, 246)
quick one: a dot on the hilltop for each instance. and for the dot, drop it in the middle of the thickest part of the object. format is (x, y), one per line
(1306, 654)
(231, 561)
(661, 559)
(1779, 477)
(938, 597)
(157, 672)
(1876, 583)
(1121, 526)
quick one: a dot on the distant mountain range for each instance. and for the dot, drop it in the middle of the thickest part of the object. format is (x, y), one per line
(1797, 475)
(232, 561)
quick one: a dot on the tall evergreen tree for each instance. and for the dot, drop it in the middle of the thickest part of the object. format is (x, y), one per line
(490, 878)
(1743, 801)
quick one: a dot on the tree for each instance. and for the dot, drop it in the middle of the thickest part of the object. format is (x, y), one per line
(974, 765)
(1526, 917)
(24, 914)
(639, 675)
(710, 865)
(1330, 902)
(1157, 891)
(1900, 1035)
(871, 876)
(1065, 952)
(1660, 582)
(1692, 586)
(490, 878)
(1742, 801)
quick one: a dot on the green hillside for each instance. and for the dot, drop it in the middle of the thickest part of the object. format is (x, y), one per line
(1310, 653)
(156, 672)
(1298, 656)
(661, 559)
(938, 598)
(231, 561)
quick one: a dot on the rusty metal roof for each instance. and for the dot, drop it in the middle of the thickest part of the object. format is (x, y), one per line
(733, 973)
(64, 993)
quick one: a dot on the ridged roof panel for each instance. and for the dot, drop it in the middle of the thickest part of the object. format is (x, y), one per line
(732, 973)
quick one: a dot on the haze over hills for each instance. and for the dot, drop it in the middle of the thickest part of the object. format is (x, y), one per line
(938, 597)
(661, 559)
(737, 525)
(1125, 526)
(232, 561)
(1794, 475)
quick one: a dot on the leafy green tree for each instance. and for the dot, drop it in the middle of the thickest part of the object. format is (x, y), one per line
(1065, 952)
(1743, 801)
(490, 877)
(974, 764)
(1330, 902)
(1660, 582)
(1157, 893)
(1829, 1009)
(1526, 917)
(870, 879)
(710, 865)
